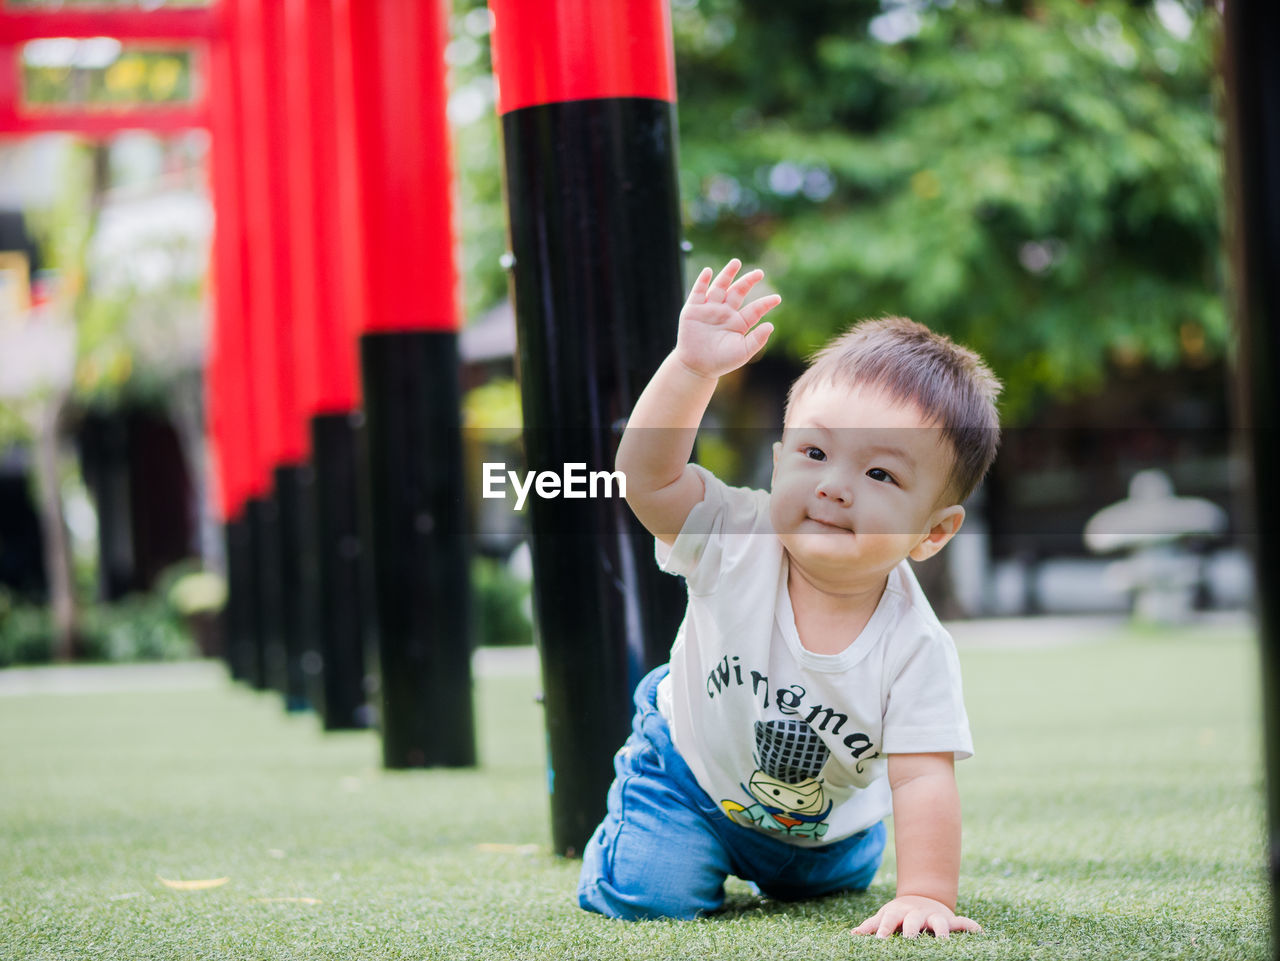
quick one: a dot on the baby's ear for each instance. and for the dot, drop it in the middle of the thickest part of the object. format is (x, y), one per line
(945, 523)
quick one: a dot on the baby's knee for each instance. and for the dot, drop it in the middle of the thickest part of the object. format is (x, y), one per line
(643, 889)
(643, 899)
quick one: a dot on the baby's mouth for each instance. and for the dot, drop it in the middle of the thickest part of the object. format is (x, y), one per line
(833, 524)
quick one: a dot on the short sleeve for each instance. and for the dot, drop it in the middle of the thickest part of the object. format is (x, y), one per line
(724, 515)
(924, 711)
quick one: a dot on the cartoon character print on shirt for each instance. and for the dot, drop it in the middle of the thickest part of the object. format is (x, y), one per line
(787, 793)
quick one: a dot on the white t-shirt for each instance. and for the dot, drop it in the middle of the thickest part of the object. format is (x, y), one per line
(788, 741)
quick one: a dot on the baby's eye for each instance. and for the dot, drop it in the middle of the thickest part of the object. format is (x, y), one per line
(882, 475)
(814, 453)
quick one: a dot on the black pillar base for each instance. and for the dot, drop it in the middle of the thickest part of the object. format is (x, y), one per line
(341, 694)
(294, 600)
(264, 595)
(239, 646)
(419, 547)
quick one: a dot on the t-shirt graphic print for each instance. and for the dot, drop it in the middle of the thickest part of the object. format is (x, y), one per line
(785, 791)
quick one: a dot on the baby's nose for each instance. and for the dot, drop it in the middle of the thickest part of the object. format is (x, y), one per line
(833, 488)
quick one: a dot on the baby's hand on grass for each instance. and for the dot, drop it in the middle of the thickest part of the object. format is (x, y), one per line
(717, 333)
(914, 914)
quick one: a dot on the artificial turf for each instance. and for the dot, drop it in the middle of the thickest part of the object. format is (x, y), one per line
(1113, 811)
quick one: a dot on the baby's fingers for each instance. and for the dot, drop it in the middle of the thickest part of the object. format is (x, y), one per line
(758, 308)
(738, 290)
(757, 337)
(891, 921)
(942, 925)
(869, 926)
(698, 293)
(719, 288)
(939, 924)
(914, 923)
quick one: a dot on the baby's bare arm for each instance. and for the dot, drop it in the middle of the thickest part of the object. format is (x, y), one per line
(655, 448)
(717, 335)
(926, 826)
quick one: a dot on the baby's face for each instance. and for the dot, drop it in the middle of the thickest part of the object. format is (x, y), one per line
(858, 482)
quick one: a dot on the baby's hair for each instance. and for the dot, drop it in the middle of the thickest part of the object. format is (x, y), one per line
(949, 383)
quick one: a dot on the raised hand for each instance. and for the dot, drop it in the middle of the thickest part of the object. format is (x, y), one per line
(717, 333)
(913, 914)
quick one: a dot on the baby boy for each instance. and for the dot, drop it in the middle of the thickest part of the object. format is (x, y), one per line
(811, 691)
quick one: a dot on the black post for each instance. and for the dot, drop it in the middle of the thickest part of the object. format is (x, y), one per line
(593, 207)
(419, 543)
(239, 647)
(294, 601)
(1253, 87)
(342, 693)
(261, 592)
(273, 659)
(311, 660)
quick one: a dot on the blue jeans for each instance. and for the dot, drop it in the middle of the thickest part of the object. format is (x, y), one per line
(665, 847)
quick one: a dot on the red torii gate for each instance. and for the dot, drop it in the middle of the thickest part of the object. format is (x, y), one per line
(317, 183)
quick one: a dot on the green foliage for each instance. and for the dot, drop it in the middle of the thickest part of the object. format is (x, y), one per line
(482, 220)
(140, 627)
(26, 631)
(1041, 180)
(63, 229)
(137, 76)
(138, 309)
(136, 337)
(501, 604)
(15, 429)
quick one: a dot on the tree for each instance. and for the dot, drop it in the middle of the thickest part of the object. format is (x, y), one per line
(42, 406)
(1040, 179)
(128, 315)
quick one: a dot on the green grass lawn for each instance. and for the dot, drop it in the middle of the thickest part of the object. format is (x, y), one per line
(1113, 811)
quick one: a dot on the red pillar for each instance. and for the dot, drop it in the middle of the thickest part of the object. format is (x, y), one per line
(265, 177)
(283, 448)
(327, 367)
(587, 100)
(395, 108)
(262, 277)
(229, 386)
(392, 56)
(327, 373)
(356, 121)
